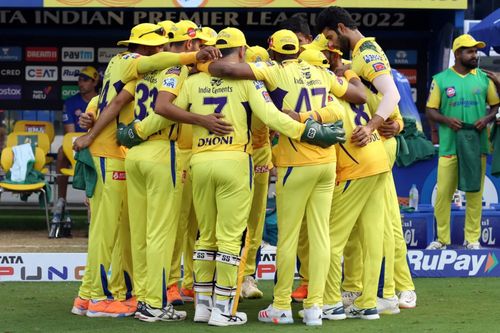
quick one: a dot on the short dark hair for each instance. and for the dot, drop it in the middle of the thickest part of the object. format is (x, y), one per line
(228, 51)
(296, 24)
(331, 17)
(177, 44)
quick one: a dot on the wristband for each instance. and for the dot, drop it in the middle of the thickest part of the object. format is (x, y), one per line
(188, 58)
(350, 74)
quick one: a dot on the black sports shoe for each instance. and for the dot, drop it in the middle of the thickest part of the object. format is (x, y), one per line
(168, 313)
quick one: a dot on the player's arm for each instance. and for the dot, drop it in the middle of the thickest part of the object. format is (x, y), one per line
(86, 120)
(68, 120)
(392, 126)
(106, 116)
(228, 69)
(493, 101)
(328, 114)
(350, 89)
(432, 109)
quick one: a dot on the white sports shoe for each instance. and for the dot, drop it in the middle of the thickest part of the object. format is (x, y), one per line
(353, 312)
(219, 318)
(202, 313)
(388, 305)
(312, 316)
(472, 246)
(407, 299)
(436, 245)
(272, 315)
(249, 288)
(348, 297)
(334, 312)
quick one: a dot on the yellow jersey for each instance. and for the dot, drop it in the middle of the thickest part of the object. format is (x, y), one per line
(295, 85)
(237, 100)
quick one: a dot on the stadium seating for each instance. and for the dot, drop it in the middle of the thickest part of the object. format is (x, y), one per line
(67, 146)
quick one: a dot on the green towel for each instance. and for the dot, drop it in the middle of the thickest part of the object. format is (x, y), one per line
(85, 177)
(468, 144)
(417, 146)
(495, 141)
(32, 177)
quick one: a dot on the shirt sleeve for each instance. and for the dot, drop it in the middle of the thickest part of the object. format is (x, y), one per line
(172, 79)
(332, 112)
(338, 85)
(67, 116)
(370, 64)
(92, 106)
(396, 116)
(434, 99)
(130, 87)
(492, 94)
(263, 107)
(263, 71)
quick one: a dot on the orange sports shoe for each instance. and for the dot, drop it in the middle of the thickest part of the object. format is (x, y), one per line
(299, 294)
(80, 306)
(132, 302)
(187, 295)
(109, 308)
(173, 296)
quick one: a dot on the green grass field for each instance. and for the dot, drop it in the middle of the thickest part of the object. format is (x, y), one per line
(444, 305)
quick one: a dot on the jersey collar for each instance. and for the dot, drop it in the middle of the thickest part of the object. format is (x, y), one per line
(360, 42)
(473, 72)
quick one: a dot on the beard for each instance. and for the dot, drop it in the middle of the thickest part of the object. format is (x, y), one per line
(343, 44)
(470, 64)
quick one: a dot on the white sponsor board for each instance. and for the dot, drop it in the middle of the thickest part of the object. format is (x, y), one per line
(77, 54)
(104, 54)
(41, 73)
(70, 73)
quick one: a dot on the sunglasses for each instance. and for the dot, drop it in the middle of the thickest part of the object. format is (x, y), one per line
(159, 31)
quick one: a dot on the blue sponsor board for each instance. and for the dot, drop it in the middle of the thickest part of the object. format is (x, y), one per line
(10, 92)
(11, 53)
(418, 229)
(21, 3)
(490, 228)
(454, 263)
(402, 57)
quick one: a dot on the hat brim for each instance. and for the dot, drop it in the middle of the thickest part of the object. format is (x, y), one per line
(86, 76)
(156, 41)
(227, 46)
(312, 46)
(477, 44)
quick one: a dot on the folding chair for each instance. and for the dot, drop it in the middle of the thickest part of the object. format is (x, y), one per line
(35, 126)
(67, 146)
(36, 139)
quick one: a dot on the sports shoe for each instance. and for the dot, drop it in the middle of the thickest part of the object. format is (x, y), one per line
(249, 288)
(353, 312)
(173, 296)
(219, 318)
(132, 302)
(140, 306)
(272, 315)
(202, 313)
(334, 312)
(109, 308)
(187, 295)
(80, 306)
(436, 245)
(348, 297)
(388, 305)
(168, 313)
(407, 299)
(312, 316)
(472, 246)
(300, 294)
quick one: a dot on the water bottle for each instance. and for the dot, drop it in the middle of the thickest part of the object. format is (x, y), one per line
(414, 197)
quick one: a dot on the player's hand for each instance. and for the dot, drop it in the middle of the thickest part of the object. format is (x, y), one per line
(208, 53)
(389, 128)
(292, 114)
(323, 135)
(361, 135)
(214, 123)
(82, 142)
(481, 123)
(86, 120)
(493, 78)
(127, 135)
(340, 70)
(453, 123)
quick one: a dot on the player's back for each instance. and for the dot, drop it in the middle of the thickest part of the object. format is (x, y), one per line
(357, 162)
(295, 85)
(204, 94)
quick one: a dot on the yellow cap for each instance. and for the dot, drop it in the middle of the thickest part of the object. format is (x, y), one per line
(89, 72)
(315, 57)
(146, 34)
(284, 42)
(466, 40)
(184, 30)
(209, 35)
(230, 37)
(320, 43)
(167, 26)
(256, 54)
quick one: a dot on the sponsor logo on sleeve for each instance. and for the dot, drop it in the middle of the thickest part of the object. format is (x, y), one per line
(45, 54)
(266, 96)
(70, 73)
(372, 57)
(104, 54)
(170, 82)
(11, 53)
(131, 56)
(10, 92)
(68, 91)
(41, 73)
(379, 67)
(451, 92)
(77, 54)
(258, 84)
(176, 70)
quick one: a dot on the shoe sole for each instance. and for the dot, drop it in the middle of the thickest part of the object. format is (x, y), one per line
(93, 314)
(155, 319)
(224, 324)
(313, 323)
(275, 321)
(406, 306)
(389, 312)
(78, 312)
(201, 319)
(370, 317)
(334, 317)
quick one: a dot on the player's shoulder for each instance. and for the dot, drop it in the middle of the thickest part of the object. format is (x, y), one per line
(129, 56)
(266, 64)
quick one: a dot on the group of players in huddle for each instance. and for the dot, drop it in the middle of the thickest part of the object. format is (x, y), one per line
(192, 111)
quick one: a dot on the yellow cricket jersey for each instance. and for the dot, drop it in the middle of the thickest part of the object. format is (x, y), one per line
(296, 85)
(92, 106)
(369, 61)
(237, 100)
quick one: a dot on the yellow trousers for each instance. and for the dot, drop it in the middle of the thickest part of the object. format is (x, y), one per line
(447, 181)
(303, 192)
(153, 184)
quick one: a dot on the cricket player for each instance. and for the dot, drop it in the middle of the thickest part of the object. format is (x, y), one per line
(371, 64)
(306, 174)
(108, 159)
